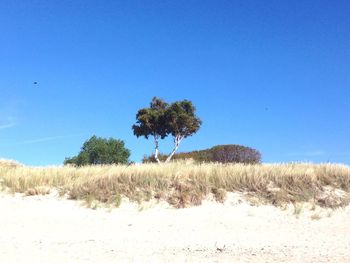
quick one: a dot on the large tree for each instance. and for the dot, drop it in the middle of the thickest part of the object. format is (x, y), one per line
(181, 122)
(162, 119)
(99, 150)
(151, 122)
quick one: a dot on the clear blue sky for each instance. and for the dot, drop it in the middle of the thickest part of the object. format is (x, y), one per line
(273, 75)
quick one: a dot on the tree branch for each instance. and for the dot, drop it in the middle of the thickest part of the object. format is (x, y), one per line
(177, 141)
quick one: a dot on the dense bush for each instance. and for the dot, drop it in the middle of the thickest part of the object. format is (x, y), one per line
(222, 153)
(234, 154)
(98, 150)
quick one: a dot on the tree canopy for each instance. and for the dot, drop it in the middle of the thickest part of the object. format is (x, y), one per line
(162, 119)
(151, 121)
(99, 150)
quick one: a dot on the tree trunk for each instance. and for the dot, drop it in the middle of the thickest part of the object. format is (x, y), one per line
(156, 151)
(177, 141)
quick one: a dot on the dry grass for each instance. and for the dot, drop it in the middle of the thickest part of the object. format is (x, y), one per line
(185, 184)
(316, 216)
(9, 163)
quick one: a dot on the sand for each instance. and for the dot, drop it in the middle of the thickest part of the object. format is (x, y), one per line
(50, 229)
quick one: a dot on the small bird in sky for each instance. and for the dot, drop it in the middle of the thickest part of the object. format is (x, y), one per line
(35, 82)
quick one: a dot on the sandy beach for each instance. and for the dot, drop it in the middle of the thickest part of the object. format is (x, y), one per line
(49, 229)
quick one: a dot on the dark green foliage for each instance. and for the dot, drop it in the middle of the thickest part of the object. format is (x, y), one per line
(222, 153)
(98, 150)
(151, 121)
(162, 119)
(181, 119)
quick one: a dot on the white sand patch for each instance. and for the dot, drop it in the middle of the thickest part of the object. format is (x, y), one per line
(49, 229)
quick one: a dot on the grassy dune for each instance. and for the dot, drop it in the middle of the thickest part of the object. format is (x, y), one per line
(184, 184)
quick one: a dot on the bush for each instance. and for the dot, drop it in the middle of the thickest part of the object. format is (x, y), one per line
(222, 153)
(234, 154)
(151, 159)
(98, 150)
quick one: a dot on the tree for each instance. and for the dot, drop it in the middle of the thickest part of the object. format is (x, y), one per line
(99, 150)
(151, 122)
(162, 119)
(181, 122)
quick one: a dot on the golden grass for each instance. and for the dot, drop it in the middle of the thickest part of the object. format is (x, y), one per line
(184, 184)
(9, 163)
